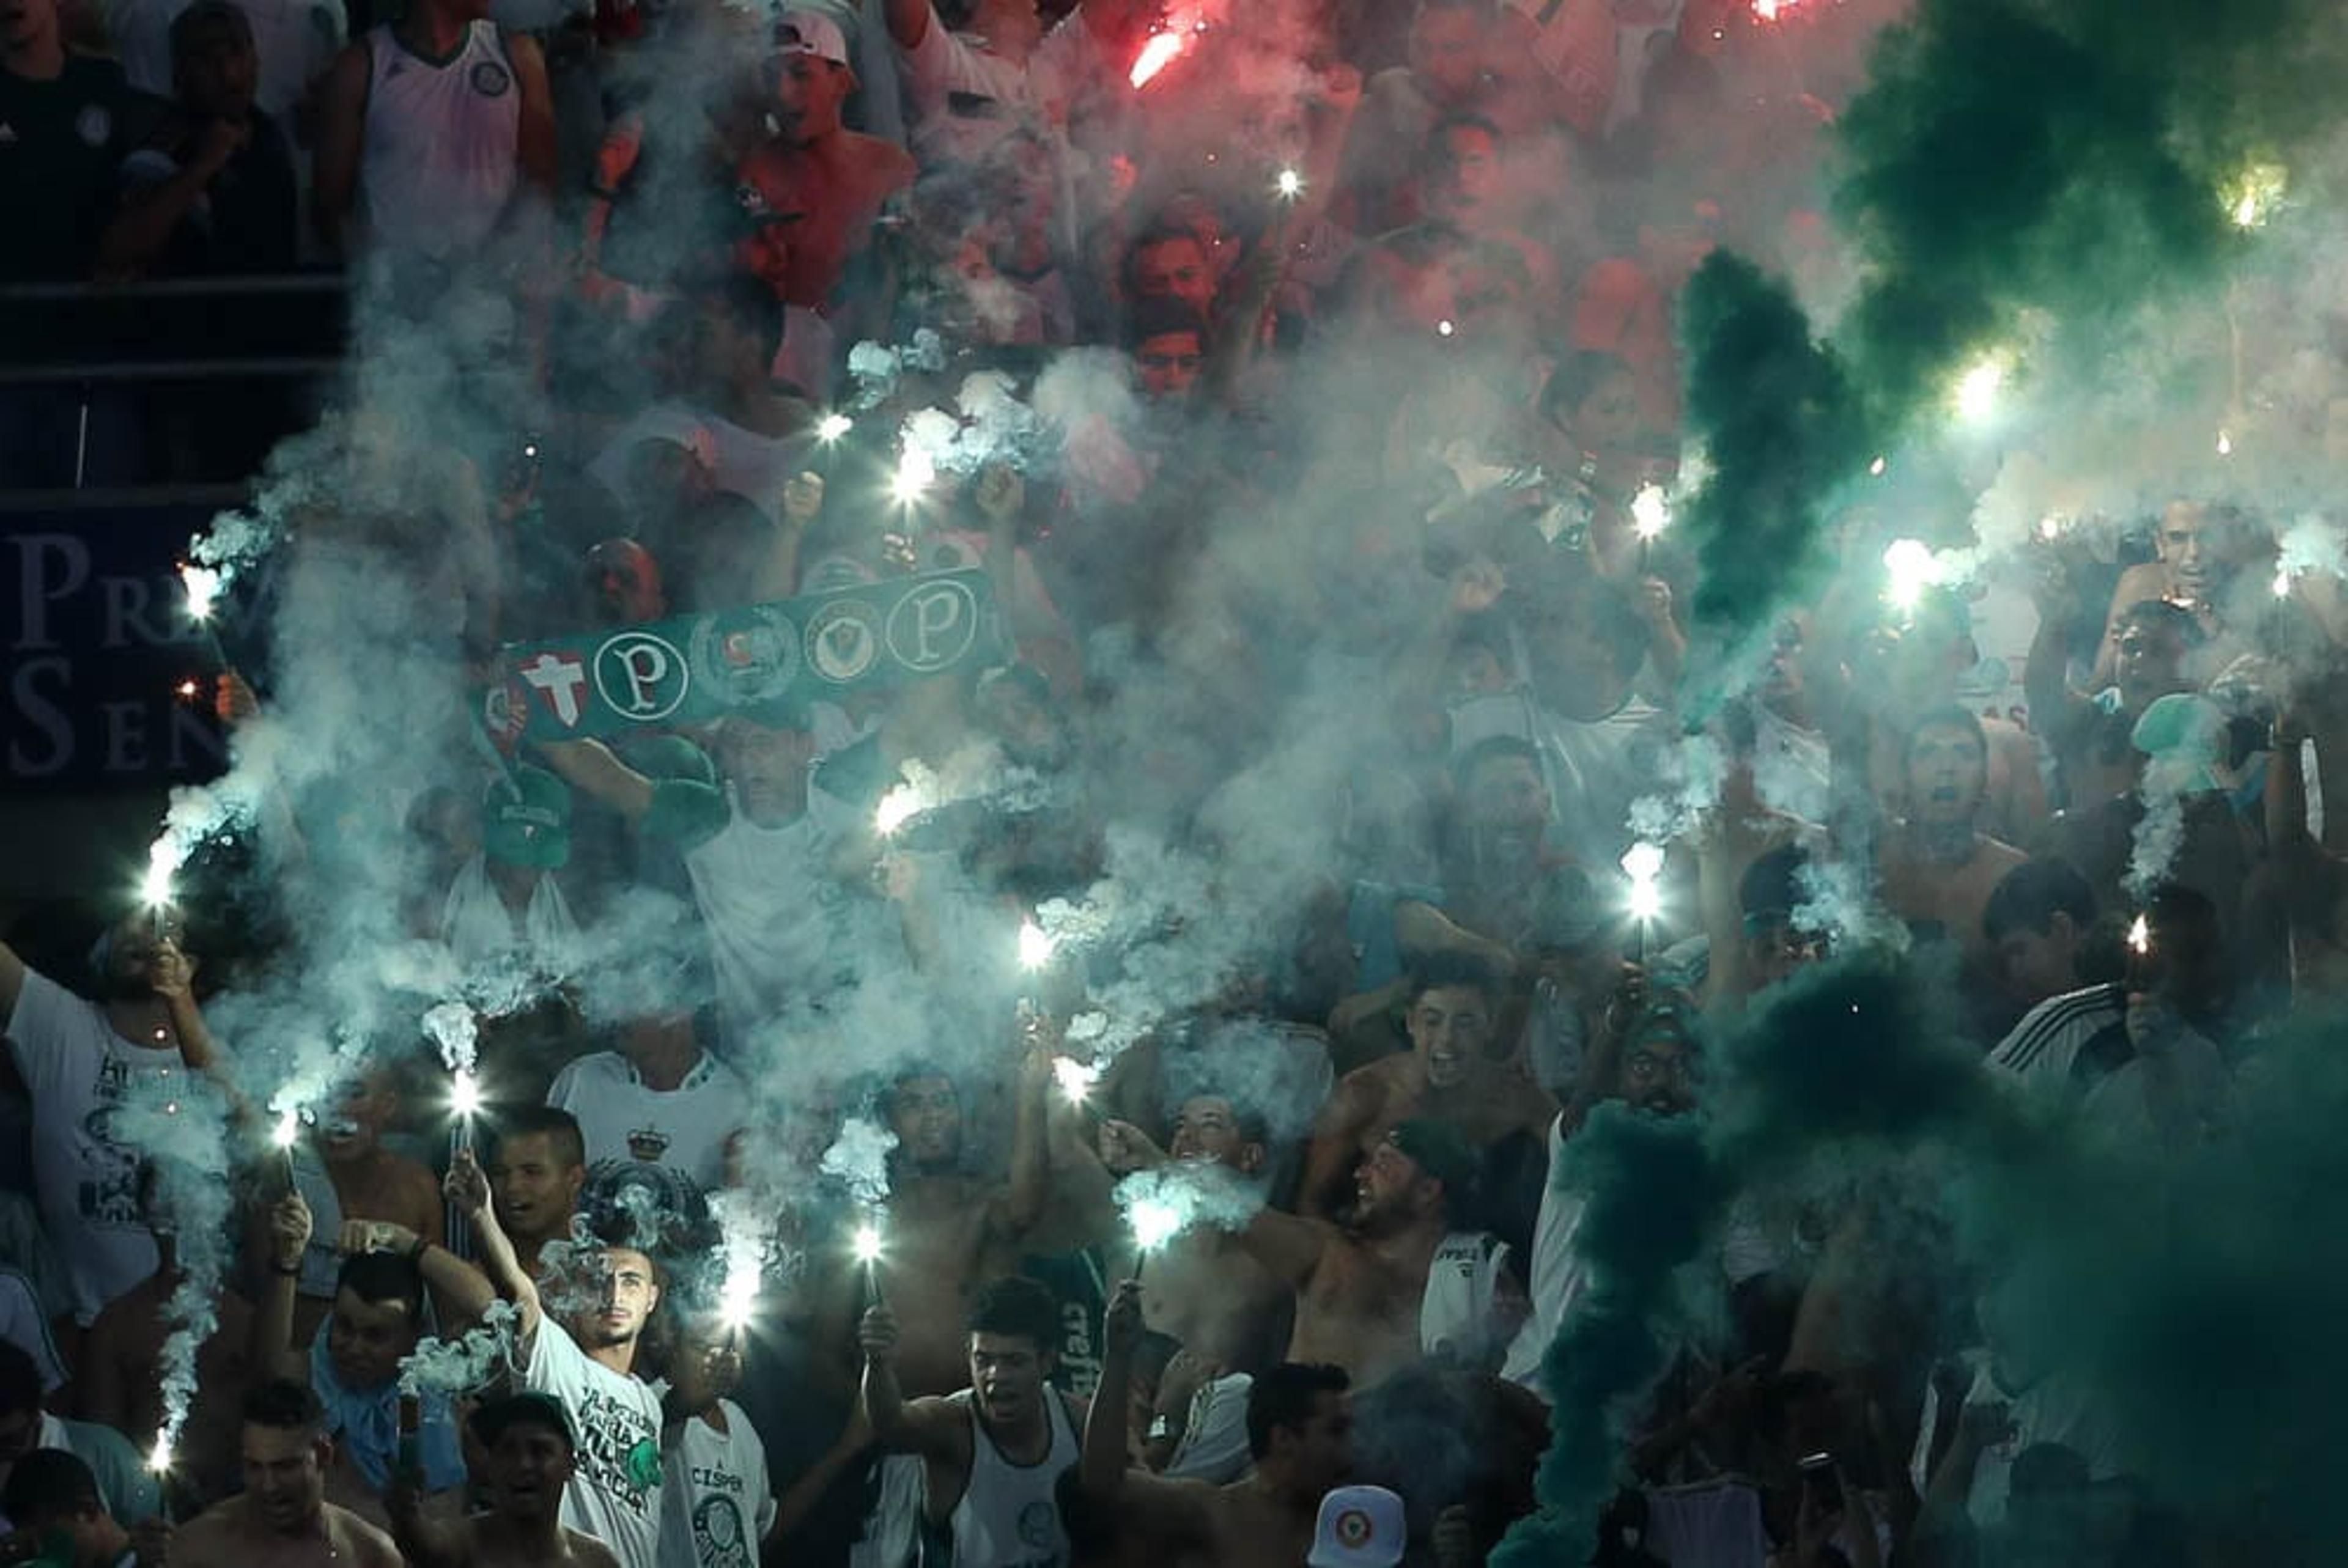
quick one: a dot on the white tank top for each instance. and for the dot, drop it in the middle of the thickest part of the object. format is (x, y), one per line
(1008, 1517)
(443, 143)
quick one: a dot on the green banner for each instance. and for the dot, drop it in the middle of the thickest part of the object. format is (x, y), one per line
(694, 667)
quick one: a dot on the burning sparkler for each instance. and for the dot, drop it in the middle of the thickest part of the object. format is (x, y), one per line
(916, 472)
(202, 585)
(832, 427)
(283, 1136)
(1643, 865)
(1912, 569)
(1075, 1079)
(1288, 186)
(1155, 1221)
(1036, 945)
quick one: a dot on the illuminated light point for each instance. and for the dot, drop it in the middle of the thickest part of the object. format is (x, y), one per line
(159, 1458)
(868, 1243)
(163, 858)
(2225, 444)
(897, 807)
(465, 1093)
(1978, 388)
(2282, 583)
(832, 427)
(1155, 1223)
(2251, 197)
(288, 1129)
(1651, 511)
(1075, 1078)
(1155, 55)
(1643, 865)
(202, 585)
(1444, 327)
(1911, 569)
(1036, 945)
(2139, 938)
(1289, 185)
(186, 689)
(2050, 527)
(1876, 468)
(915, 474)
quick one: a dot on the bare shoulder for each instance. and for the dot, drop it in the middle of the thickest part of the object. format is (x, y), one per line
(209, 1538)
(586, 1552)
(363, 1543)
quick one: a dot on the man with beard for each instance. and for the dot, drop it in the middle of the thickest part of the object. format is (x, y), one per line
(994, 1450)
(282, 1517)
(587, 1360)
(1647, 1059)
(1457, 1072)
(1395, 1282)
(1938, 868)
(1299, 1434)
(532, 1461)
(79, 1060)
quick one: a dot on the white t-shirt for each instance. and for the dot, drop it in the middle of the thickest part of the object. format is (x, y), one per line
(77, 1070)
(626, 1123)
(1596, 768)
(781, 928)
(1557, 1274)
(614, 1493)
(715, 1506)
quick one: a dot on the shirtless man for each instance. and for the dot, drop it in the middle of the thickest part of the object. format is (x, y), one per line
(819, 185)
(530, 1451)
(1203, 1287)
(282, 1519)
(2090, 733)
(948, 1231)
(2190, 571)
(994, 1450)
(355, 1178)
(1299, 1434)
(1937, 867)
(536, 1171)
(1932, 653)
(1455, 1073)
(1361, 1290)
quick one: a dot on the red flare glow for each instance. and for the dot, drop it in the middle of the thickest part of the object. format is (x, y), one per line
(1156, 56)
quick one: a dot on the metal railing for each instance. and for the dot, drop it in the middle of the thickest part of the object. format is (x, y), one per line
(157, 365)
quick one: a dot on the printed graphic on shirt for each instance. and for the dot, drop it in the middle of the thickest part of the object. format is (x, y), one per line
(619, 1451)
(718, 1538)
(648, 1144)
(107, 1193)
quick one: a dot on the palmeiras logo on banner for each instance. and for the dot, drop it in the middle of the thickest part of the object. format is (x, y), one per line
(696, 667)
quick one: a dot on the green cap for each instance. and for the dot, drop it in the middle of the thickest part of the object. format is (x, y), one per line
(526, 820)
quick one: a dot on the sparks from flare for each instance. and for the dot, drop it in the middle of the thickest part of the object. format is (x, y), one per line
(1289, 185)
(916, 472)
(897, 807)
(1643, 865)
(158, 1457)
(288, 1129)
(164, 857)
(2225, 444)
(464, 1094)
(868, 1243)
(1978, 388)
(2282, 583)
(1651, 512)
(1075, 1078)
(2251, 197)
(1155, 1223)
(201, 584)
(1444, 328)
(1912, 569)
(1036, 945)
(1157, 54)
(2139, 936)
(186, 689)
(832, 427)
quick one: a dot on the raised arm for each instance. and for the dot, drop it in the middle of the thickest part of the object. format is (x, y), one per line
(1146, 1508)
(272, 1346)
(931, 1428)
(1337, 1146)
(468, 1189)
(1288, 1244)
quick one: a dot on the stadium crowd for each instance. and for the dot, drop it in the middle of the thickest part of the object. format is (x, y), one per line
(1298, 385)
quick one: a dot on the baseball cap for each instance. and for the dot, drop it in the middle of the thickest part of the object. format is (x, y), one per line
(526, 820)
(1437, 1149)
(806, 33)
(1360, 1527)
(492, 1420)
